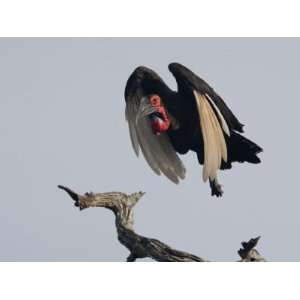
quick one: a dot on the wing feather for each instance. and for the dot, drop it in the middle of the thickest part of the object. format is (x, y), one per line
(146, 150)
(223, 122)
(188, 81)
(171, 156)
(215, 148)
(130, 110)
(157, 150)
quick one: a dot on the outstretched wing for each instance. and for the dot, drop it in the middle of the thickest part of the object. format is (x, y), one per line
(216, 119)
(157, 150)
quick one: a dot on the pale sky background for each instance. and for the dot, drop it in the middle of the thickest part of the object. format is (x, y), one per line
(62, 122)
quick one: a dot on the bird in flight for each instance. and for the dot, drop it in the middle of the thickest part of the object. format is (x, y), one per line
(163, 122)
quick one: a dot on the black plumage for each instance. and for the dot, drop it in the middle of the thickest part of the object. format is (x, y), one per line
(199, 121)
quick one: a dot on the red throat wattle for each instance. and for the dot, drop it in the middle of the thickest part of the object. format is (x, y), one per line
(160, 121)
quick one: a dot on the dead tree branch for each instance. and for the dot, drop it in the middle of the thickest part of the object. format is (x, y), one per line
(139, 246)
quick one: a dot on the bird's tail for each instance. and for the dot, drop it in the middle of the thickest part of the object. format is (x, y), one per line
(241, 149)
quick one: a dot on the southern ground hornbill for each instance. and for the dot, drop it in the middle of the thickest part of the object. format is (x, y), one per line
(163, 122)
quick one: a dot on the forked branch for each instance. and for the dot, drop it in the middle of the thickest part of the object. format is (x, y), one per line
(139, 246)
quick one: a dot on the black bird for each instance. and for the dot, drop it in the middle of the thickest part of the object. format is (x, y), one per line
(163, 122)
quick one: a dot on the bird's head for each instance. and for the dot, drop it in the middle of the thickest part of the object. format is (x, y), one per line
(159, 119)
(152, 107)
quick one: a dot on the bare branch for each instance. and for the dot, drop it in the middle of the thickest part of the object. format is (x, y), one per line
(248, 253)
(139, 246)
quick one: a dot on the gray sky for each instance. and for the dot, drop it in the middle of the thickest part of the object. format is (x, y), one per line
(62, 122)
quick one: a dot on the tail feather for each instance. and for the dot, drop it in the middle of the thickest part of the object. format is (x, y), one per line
(241, 149)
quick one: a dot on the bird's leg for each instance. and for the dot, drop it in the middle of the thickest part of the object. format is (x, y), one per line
(216, 188)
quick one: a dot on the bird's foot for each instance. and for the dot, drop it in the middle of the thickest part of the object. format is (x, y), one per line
(216, 188)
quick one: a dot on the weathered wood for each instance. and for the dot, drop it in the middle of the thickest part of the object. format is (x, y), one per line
(139, 246)
(248, 251)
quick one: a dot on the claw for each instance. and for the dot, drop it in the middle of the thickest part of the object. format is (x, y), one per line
(216, 188)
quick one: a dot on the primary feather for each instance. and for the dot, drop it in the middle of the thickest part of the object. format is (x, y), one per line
(214, 143)
(157, 150)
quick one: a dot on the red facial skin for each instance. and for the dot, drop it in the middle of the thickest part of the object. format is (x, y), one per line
(163, 124)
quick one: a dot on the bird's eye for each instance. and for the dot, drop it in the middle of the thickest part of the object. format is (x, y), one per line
(155, 100)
